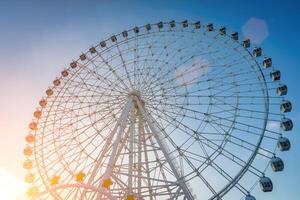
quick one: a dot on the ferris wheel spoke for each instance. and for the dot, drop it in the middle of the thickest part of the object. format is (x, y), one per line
(183, 46)
(249, 117)
(231, 155)
(159, 160)
(237, 160)
(64, 158)
(113, 71)
(82, 82)
(117, 147)
(120, 122)
(124, 64)
(160, 54)
(93, 72)
(193, 95)
(194, 169)
(217, 51)
(165, 152)
(79, 105)
(228, 138)
(157, 80)
(166, 117)
(228, 177)
(96, 87)
(145, 67)
(193, 82)
(256, 111)
(84, 129)
(84, 186)
(241, 140)
(190, 134)
(136, 62)
(221, 72)
(221, 83)
(225, 119)
(83, 118)
(147, 165)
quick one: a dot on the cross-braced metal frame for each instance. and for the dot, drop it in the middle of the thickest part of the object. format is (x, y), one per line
(163, 111)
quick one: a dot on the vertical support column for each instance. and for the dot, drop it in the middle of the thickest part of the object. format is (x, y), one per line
(120, 123)
(131, 141)
(140, 128)
(153, 128)
(116, 144)
(146, 161)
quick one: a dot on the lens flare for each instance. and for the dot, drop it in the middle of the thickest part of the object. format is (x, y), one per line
(11, 188)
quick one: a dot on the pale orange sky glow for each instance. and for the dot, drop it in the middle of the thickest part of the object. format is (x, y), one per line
(24, 78)
(11, 188)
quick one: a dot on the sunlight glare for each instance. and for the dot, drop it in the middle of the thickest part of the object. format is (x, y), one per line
(11, 188)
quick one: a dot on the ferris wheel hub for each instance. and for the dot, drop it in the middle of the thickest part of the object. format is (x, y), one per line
(135, 93)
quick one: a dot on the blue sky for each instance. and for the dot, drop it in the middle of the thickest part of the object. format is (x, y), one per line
(39, 38)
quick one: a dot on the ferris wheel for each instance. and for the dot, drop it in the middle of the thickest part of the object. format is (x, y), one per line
(172, 110)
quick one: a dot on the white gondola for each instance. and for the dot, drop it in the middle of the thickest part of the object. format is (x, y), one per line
(267, 62)
(250, 197)
(136, 30)
(257, 52)
(103, 44)
(210, 27)
(92, 50)
(286, 124)
(222, 30)
(266, 184)
(275, 75)
(172, 24)
(125, 34)
(282, 90)
(148, 27)
(246, 43)
(82, 57)
(285, 106)
(197, 25)
(235, 35)
(277, 164)
(113, 38)
(160, 25)
(284, 144)
(185, 24)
